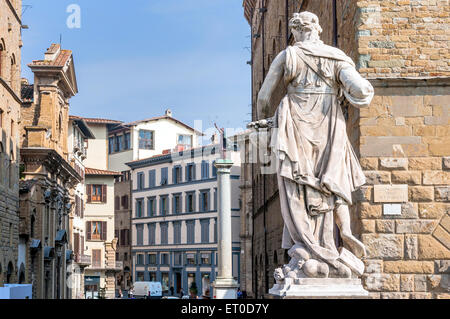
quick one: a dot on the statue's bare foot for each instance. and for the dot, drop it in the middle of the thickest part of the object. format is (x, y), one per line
(354, 244)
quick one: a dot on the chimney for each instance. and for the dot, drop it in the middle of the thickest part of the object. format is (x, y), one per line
(52, 52)
(165, 152)
(169, 112)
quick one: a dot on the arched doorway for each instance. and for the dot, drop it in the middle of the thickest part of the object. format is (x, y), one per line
(22, 274)
(9, 273)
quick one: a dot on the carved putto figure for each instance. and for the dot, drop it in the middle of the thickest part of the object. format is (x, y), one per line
(317, 167)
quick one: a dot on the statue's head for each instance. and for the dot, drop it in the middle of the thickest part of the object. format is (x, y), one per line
(305, 26)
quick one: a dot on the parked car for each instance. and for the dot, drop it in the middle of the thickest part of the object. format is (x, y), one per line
(147, 290)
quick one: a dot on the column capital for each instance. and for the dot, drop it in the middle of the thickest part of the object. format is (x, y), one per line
(223, 164)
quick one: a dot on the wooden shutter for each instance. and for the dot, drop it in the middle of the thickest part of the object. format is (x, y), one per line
(103, 230)
(104, 194)
(96, 257)
(82, 245)
(76, 245)
(116, 203)
(82, 208)
(88, 230)
(89, 193)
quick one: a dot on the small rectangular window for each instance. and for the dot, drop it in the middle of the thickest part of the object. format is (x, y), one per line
(164, 205)
(176, 204)
(205, 230)
(190, 225)
(190, 204)
(177, 259)
(152, 259)
(190, 259)
(164, 259)
(127, 141)
(139, 235)
(206, 258)
(185, 141)
(139, 208)
(151, 207)
(152, 178)
(146, 140)
(164, 234)
(140, 181)
(164, 175)
(111, 145)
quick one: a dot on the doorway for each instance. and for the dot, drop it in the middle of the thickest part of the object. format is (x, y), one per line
(177, 282)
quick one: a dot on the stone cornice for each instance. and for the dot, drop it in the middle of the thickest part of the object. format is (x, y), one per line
(14, 12)
(53, 162)
(389, 82)
(8, 88)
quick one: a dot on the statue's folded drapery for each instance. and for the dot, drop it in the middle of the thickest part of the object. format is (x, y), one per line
(318, 168)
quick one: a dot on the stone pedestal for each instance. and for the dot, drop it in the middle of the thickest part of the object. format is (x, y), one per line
(225, 286)
(319, 288)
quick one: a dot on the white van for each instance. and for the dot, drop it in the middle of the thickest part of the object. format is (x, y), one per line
(147, 289)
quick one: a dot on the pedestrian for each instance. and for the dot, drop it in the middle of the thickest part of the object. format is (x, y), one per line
(181, 293)
(171, 291)
(239, 294)
(193, 295)
(206, 294)
(120, 294)
(130, 293)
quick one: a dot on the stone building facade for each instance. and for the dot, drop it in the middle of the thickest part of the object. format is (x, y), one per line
(48, 181)
(101, 243)
(10, 59)
(174, 219)
(79, 134)
(122, 220)
(402, 213)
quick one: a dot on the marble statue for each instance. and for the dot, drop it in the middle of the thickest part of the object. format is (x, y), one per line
(317, 168)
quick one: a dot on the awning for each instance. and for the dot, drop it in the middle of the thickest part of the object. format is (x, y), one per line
(61, 237)
(35, 244)
(49, 252)
(69, 255)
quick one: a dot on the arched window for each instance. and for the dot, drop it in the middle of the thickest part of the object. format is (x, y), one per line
(2, 56)
(13, 71)
(2, 174)
(33, 221)
(9, 273)
(60, 123)
(21, 274)
(275, 258)
(11, 170)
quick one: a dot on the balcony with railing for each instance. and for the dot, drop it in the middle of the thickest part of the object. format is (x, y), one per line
(83, 260)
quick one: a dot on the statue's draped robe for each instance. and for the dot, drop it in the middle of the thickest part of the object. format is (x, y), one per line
(318, 169)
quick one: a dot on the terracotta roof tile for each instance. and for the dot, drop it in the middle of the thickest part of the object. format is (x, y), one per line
(94, 171)
(166, 117)
(94, 120)
(60, 61)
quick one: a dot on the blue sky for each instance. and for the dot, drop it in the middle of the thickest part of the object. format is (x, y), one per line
(134, 59)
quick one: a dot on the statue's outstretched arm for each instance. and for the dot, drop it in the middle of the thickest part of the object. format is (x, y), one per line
(271, 81)
(357, 90)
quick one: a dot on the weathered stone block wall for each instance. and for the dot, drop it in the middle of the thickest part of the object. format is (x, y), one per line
(405, 155)
(10, 68)
(401, 139)
(403, 38)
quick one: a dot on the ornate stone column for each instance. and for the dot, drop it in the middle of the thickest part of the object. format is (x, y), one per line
(225, 286)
